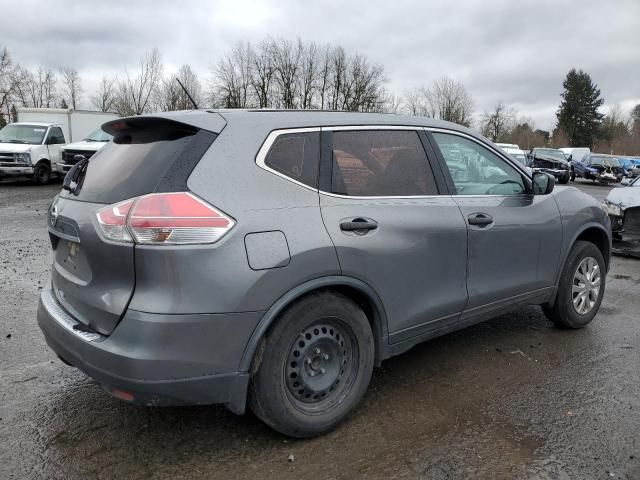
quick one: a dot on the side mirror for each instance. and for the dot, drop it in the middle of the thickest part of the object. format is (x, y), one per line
(543, 183)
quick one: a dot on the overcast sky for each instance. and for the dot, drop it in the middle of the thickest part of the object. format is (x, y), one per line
(517, 52)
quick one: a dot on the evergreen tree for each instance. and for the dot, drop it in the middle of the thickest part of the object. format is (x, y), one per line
(578, 114)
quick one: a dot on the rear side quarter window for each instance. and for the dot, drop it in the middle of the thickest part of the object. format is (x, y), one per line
(296, 156)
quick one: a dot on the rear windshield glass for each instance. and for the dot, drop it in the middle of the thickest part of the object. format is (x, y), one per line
(146, 155)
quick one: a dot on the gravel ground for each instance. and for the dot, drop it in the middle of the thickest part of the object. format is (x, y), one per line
(511, 398)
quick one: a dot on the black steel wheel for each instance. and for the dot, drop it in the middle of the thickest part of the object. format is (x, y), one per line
(314, 365)
(321, 365)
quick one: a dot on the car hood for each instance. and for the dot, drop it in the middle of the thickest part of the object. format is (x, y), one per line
(625, 196)
(15, 147)
(84, 145)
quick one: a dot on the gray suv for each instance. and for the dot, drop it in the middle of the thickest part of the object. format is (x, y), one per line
(272, 258)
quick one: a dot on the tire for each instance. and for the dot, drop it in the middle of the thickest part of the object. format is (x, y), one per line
(303, 383)
(563, 312)
(41, 174)
(573, 176)
(564, 179)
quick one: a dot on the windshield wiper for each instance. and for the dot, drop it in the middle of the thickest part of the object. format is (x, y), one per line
(13, 141)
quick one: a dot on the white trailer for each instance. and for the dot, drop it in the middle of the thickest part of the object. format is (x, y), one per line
(76, 124)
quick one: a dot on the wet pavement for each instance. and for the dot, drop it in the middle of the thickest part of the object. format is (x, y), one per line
(511, 398)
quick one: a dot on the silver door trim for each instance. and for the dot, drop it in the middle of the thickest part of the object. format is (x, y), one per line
(261, 157)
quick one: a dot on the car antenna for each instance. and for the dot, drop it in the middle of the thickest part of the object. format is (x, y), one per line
(195, 105)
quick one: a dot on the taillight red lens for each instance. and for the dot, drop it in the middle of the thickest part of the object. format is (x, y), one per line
(113, 221)
(169, 218)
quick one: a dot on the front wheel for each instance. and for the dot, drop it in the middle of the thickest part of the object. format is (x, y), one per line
(313, 367)
(564, 179)
(41, 174)
(580, 289)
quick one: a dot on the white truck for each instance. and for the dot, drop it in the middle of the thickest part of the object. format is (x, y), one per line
(32, 146)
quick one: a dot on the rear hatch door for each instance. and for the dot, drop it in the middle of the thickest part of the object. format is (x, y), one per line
(93, 278)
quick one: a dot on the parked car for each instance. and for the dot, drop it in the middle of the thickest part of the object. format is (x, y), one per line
(552, 161)
(72, 153)
(631, 166)
(575, 153)
(518, 155)
(605, 169)
(277, 256)
(29, 150)
(623, 206)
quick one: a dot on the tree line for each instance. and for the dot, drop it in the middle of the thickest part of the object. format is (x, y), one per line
(579, 122)
(281, 73)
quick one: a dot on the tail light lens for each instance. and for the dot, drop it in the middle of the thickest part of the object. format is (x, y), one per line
(164, 218)
(113, 221)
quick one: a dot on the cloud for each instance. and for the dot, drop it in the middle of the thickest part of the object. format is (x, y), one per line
(514, 52)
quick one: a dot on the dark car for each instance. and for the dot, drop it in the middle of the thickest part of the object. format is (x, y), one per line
(605, 169)
(552, 161)
(273, 258)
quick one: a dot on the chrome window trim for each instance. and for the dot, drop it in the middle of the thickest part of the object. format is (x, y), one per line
(274, 134)
(261, 157)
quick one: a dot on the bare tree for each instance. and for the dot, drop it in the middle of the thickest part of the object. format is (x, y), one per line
(35, 89)
(105, 98)
(448, 100)
(262, 71)
(497, 123)
(414, 102)
(8, 80)
(73, 86)
(286, 57)
(231, 78)
(308, 78)
(170, 96)
(134, 92)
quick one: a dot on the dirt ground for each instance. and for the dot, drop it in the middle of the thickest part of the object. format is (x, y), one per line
(511, 398)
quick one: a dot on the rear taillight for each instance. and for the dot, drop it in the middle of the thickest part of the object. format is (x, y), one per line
(113, 221)
(164, 218)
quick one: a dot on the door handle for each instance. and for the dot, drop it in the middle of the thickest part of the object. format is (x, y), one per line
(480, 219)
(358, 225)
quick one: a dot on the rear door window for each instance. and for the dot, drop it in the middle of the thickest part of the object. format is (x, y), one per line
(380, 163)
(296, 156)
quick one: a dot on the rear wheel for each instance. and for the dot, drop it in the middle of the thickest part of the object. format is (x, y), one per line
(580, 289)
(41, 174)
(314, 367)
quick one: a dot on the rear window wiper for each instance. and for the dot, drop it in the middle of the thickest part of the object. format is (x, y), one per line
(73, 180)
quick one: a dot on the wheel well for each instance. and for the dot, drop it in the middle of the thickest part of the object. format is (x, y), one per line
(600, 239)
(43, 160)
(364, 301)
(371, 311)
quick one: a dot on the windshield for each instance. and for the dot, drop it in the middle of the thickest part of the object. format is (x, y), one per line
(29, 134)
(606, 161)
(98, 136)
(550, 152)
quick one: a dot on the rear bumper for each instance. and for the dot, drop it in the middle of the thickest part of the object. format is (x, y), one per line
(15, 170)
(158, 359)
